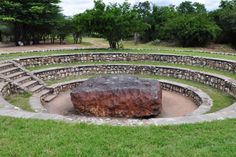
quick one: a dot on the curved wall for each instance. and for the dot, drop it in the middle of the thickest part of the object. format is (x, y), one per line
(219, 64)
(220, 82)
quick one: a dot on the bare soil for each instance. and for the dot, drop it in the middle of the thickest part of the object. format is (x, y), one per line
(40, 47)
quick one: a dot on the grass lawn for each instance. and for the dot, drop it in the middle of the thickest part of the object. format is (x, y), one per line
(188, 53)
(93, 42)
(33, 138)
(20, 100)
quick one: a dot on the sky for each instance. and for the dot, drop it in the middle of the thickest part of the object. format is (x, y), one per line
(72, 7)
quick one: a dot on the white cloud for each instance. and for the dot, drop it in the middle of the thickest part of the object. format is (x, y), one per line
(71, 7)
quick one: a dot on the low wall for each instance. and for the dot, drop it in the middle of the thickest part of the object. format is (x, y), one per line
(219, 64)
(220, 82)
(7, 89)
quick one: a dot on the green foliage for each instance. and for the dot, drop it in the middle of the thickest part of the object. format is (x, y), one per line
(188, 7)
(113, 22)
(31, 19)
(191, 30)
(225, 17)
(77, 29)
(156, 42)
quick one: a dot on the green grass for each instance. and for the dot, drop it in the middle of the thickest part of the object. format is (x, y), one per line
(205, 69)
(70, 40)
(67, 79)
(30, 54)
(98, 42)
(34, 138)
(220, 100)
(20, 100)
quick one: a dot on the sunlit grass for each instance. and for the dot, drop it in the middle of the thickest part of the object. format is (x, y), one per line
(20, 100)
(34, 138)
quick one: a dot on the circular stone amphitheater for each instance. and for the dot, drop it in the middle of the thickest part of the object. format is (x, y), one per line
(195, 88)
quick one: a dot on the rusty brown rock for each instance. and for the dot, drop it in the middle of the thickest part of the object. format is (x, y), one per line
(118, 96)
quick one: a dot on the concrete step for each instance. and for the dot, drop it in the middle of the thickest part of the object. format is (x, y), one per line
(23, 79)
(6, 66)
(36, 88)
(29, 84)
(50, 97)
(10, 71)
(16, 75)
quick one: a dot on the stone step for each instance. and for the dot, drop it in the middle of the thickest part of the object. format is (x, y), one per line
(6, 66)
(23, 79)
(10, 71)
(16, 75)
(36, 88)
(44, 92)
(29, 84)
(50, 97)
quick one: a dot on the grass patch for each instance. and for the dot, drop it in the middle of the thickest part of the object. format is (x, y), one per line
(220, 100)
(31, 54)
(20, 100)
(70, 40)
(67, 79)
(21, 137)
(205, 69)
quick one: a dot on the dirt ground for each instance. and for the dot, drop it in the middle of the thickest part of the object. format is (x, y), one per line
(174, 105)
(41, 47)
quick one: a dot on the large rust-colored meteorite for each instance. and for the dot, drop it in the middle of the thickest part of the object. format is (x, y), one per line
(118, 96)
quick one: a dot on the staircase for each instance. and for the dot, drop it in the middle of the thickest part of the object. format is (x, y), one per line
(12, 72)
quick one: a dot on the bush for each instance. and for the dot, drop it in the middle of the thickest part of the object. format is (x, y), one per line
(156, 42)
(191, 30)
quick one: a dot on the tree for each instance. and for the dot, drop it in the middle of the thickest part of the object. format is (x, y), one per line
(191, 30)
(63, 28)
(144, 10)
(188, 7)
(113, 22)
(77, 29)
(225, 18)
(31, 19)
(160, 17)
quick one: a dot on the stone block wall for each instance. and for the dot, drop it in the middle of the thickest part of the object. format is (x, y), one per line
(219, 64)
(220, 82)
(7, 89)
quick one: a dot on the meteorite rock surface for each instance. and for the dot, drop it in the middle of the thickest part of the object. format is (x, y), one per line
(118, 96)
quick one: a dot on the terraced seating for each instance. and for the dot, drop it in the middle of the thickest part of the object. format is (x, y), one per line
(15, 74)
(12, 72)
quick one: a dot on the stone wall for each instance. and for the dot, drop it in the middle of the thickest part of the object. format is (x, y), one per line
(220, 64)
(7, 89)
(220, 82)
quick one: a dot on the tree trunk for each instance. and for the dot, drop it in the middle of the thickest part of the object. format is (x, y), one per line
(17, 31)
(136, 38)
(0, 36)
(80, 39)
(113, 44)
